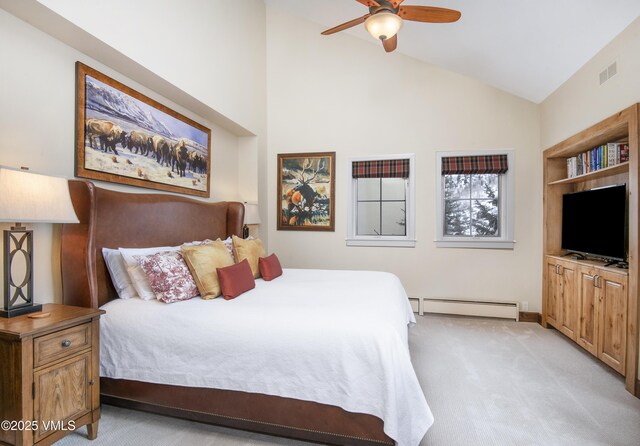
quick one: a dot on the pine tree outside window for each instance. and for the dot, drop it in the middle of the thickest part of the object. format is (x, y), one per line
(475, 199)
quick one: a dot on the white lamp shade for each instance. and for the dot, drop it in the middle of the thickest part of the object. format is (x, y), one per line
(27, 197)
(251, 214)
(383, 25)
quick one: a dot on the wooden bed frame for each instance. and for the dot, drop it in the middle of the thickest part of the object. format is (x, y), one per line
(116, 219)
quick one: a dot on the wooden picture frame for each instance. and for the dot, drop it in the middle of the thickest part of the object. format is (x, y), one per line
(123, 136)
(306, 191)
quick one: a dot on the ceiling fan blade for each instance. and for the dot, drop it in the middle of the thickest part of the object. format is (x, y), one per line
(395, 3)
(346, 25)
(390, 44)
(368, 3)
(429, 14)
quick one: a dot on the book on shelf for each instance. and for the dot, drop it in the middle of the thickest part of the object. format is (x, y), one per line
(612, 159)
(624, 152)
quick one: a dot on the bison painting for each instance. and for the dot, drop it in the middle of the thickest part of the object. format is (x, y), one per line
(126, 137)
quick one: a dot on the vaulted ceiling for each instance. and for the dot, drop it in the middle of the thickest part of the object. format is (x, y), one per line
(526, 47)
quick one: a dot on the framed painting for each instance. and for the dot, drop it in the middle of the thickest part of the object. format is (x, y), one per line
(123, 136)
(306, 191)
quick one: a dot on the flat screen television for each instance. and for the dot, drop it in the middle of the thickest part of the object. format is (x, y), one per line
(594, 222)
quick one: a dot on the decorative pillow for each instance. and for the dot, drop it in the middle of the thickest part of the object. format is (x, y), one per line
(198, 243)
(118, 272)
(270, 267)
(251, 250)
(168, 276)
(138, 277)
(236, 279)
(202, 262)
(228, 243)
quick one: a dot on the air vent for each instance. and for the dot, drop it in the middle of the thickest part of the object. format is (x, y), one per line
(608, 72)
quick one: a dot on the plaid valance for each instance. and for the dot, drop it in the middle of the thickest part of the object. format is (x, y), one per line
(398, 168)
(457, 165)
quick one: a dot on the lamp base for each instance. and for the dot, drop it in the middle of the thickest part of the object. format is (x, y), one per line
(245, 232)
(20, 310)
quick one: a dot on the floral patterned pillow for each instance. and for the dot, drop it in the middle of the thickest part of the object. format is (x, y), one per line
(228, 243)
(168, 276)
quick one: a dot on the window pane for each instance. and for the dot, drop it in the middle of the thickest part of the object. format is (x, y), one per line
(393, 188)
(393, 218)
(369, 218)
(485, 218)
(484, 186)
(457, 217)
(368, 189)
(457, 186)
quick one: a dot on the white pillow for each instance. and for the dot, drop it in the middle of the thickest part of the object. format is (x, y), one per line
(137, 275)
(118, 272)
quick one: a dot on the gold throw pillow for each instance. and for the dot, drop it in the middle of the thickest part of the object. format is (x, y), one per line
(202, 262)
(251, 250)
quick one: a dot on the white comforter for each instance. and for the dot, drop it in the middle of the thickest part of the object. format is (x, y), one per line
(334, 337)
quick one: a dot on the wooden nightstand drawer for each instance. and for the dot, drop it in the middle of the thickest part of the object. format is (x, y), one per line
(61, 344)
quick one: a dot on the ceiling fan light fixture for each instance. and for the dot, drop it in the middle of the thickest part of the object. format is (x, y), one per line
(383, 25)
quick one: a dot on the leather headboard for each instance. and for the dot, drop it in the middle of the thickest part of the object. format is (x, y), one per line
(110, 219)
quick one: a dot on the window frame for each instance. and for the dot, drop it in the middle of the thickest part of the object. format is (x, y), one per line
(404, 241)
(506, 205)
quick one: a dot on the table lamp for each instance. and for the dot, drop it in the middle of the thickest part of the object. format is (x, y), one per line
(251, 217)
(27, 197)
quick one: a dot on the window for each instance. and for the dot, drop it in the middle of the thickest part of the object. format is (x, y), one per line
(381, 197)
(475, 199)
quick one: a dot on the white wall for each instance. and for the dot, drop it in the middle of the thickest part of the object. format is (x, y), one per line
(581, 101)
(342, 94)
(37, 118)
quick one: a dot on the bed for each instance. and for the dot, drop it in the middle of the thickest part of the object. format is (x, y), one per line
(261, 336)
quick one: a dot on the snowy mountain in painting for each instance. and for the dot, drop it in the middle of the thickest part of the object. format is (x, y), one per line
(111, 102)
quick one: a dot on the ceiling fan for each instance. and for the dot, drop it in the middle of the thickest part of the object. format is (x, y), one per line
(385, 19)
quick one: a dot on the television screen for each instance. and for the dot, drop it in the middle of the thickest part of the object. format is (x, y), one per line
(594, 222)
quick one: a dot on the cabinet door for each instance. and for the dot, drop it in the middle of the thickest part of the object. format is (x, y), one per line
(62, 393)
(554, 294)
(569, 300)
(612, 344)
(587, 336)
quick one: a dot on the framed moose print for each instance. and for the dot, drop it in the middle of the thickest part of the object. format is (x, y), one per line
(306, 191)
(125, 137)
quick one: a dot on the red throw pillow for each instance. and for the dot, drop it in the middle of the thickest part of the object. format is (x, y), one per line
(235, 279)
(269, 267)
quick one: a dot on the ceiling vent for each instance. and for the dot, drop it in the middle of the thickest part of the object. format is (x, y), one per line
(609, 72)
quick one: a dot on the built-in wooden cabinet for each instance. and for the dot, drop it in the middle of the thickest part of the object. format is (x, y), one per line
(587, 302)
(587, 306)
(563, 299)
(49, 383)
(612, 317)
(594, 305)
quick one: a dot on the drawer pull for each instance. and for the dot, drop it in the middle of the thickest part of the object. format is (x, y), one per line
(91, 382)
(66, 343)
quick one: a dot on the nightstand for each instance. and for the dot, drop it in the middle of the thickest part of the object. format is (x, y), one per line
(49, 375)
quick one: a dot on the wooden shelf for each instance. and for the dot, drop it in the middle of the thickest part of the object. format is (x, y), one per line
(601, 173)
(564, 304)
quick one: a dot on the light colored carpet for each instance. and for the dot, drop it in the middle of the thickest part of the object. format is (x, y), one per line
(488, 382)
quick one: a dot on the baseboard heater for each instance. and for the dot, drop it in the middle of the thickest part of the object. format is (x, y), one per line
(500, 309)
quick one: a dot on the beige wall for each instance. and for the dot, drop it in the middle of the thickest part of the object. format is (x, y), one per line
(37, 119)
(581, 101)
(210, 49)
(346, 95)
